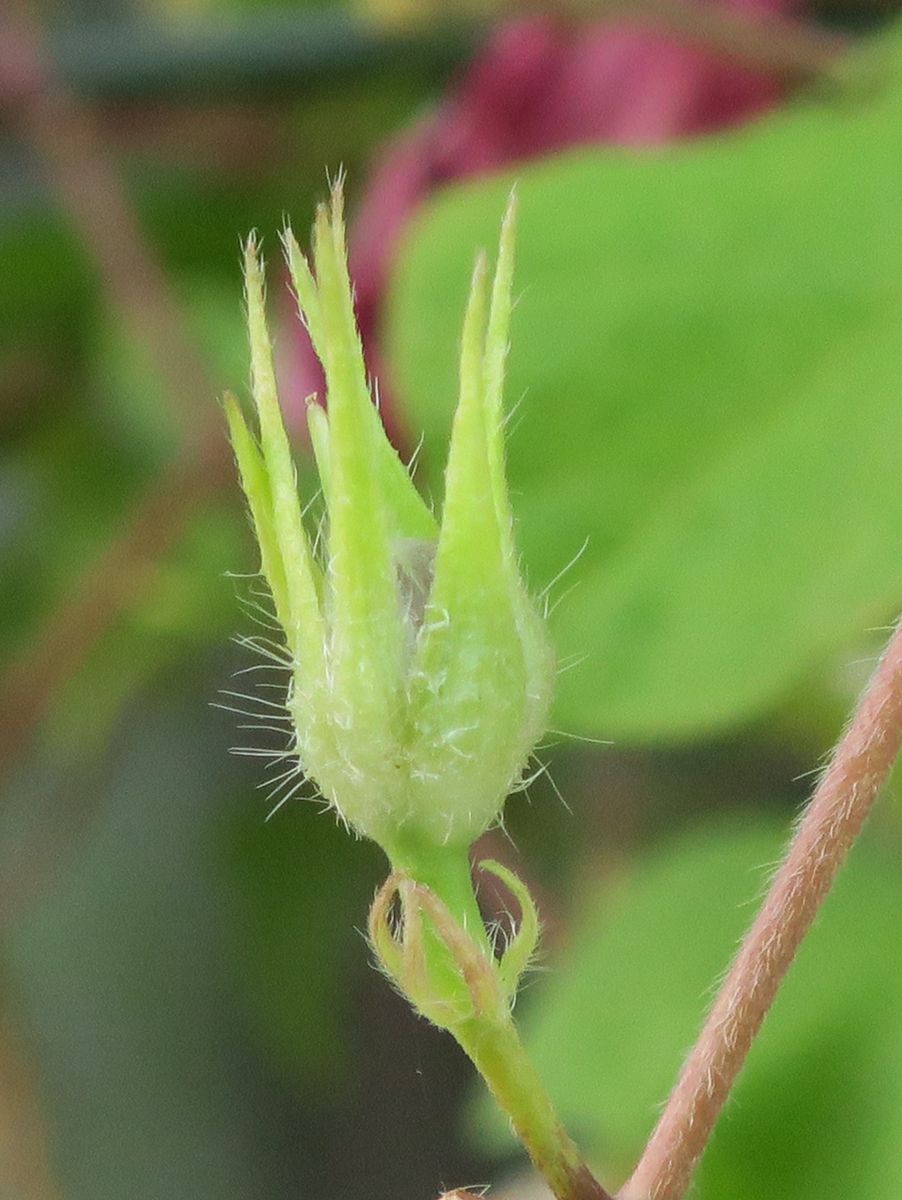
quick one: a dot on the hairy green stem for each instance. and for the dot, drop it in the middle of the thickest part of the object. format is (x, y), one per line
(447, 873)
(463, 965)
(499, 1056)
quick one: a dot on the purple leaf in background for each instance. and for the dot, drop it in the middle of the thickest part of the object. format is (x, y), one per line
(537, 86)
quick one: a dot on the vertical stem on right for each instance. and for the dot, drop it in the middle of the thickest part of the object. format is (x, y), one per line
(828, 829)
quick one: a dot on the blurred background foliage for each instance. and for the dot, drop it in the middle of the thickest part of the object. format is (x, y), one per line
(706, 382)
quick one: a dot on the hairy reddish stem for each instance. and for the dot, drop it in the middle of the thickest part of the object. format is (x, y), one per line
(828, 829)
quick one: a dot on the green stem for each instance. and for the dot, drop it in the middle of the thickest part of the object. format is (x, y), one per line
(447, 873)
(498, 1054)
(491, 1039)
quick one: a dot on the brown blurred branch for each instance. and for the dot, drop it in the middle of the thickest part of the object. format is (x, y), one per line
(113, 581)
(88, 188)
(789, 48)
(827, 831)
(90, 191)
(24, 1167)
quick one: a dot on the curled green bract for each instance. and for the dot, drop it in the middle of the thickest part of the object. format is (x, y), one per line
(477, 986)
(421, 669)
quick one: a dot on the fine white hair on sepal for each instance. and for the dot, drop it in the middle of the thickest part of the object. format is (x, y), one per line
(283, 772)
(568, 566)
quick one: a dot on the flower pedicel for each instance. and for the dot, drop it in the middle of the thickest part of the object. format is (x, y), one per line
(421, 671)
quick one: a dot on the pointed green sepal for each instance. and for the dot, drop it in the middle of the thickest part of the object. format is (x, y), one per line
(303, 631)
(408, 513)
(496, 349)
(483, 655)
(255, 484)
(318, 429)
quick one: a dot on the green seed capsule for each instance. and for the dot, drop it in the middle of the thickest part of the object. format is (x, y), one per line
(421, 670)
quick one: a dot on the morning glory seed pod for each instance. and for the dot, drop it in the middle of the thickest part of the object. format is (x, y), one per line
(421, 671)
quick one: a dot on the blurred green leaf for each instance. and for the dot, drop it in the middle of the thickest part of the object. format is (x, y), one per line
(708, 343)
(817, 1107)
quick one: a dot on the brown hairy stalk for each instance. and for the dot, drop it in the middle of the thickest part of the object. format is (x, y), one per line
(827, 830)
